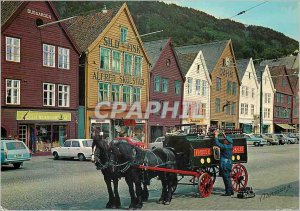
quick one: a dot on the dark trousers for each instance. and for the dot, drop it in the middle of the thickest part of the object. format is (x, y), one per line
(225, 169)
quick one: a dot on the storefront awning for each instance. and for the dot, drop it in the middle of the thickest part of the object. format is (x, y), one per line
(286, 126)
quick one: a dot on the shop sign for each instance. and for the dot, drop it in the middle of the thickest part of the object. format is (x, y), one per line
(196, 120)
(117, 44)
(43, 116)
(108, 77)
(37, 13)
(140, 121)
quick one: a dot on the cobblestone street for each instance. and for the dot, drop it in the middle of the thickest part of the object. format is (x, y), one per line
(43, 183)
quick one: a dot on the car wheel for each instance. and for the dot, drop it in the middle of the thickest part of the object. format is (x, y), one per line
(256, 144)
(17, 165)
(81, 157)
(289, 142)
(55, 156)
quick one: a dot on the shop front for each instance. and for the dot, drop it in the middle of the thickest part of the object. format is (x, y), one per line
(43, 130)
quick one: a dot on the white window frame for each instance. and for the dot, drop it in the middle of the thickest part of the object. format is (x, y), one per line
(65, 103)
(177, 83)
(189, 86)
(102, 68)
(65, 54)
(141, 66)
(14, 47)
(114, 62)
(156, 80)
(163, 86)
(198, 87)
(204, 88)
(121, 34)
(203, 107)
(242, 108)
(22, 131)
(252, 109)
(115, 92)
(104, 91)
(49, 54)
(243, 90)
(246, 109)
(269, 97)
(247, 91)
(12, 91)
(126, 73)
(129, 94)
(135, 93)
(49, 91)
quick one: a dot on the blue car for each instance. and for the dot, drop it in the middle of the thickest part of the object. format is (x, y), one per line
(14, 152)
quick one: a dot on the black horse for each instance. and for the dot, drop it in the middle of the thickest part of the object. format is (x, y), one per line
(127, 157)
(102, 162)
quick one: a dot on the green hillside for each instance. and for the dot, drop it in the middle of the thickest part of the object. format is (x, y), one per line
(189, 26)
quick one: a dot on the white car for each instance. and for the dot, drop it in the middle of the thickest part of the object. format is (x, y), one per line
(74, 148)
(158, 143)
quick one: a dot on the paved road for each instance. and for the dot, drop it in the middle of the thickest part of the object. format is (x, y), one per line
(70, 184)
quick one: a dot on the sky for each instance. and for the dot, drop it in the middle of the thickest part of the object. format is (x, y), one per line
(280, 15)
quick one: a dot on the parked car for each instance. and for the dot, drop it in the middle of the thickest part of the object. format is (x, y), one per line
(158, 143)
(133, 141)
(14, 152)
(294, 135)
(74, 148)
(290, 140)
(282, 140)
(252, 140)
(270, 138)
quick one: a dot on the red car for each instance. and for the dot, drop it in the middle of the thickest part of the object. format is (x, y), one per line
(132, 141)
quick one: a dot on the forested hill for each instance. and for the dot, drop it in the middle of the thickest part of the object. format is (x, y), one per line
(189, 26)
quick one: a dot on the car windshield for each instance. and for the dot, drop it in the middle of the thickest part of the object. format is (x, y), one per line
(258, 135)
(251, 136)
(87, 143)
(15, 145)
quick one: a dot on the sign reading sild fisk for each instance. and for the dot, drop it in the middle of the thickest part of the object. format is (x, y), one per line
(116, 44)
(108, 77)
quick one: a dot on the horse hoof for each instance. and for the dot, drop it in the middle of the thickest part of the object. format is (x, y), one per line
(109, 206)
(160, 202)
(166, 202)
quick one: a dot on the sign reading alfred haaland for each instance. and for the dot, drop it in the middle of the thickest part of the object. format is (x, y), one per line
(45, 116)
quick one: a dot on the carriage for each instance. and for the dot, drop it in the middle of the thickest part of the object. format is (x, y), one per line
(198, 156)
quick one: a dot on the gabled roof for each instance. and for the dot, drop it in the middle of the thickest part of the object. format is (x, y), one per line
(242, 65)
(211, 52)
(261, 69)
(154, 49)
(277, 74)
(288, 61)
(186, 61)
(8, 8)
(86, 29)
(294, 78)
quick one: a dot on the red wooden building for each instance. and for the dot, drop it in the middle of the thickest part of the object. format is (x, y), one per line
(166, 85)
(294, 78)
(39, 81)
(283, 100)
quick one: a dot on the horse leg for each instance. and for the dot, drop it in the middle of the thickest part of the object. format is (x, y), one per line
(138, 190)
(168, 197)
(116, 192)
(163, 192)
(110, 203)
(145, 192)
(129, 182)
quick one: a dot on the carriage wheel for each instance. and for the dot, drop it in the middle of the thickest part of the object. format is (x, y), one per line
(239, 177)
(205, 185)
(212, 171)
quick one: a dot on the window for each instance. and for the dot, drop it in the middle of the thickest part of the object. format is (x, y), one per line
(218, 84)
(277, 98)
(12, 91)
(116, 61)
(283, 82)
(247, 91)
(233, 108)
(49, 94)
(75, 144)
(266, 97)
(23, 133)
(63, 95)
(268, 113)
(253, 92)
(243, 90)
(165, 83)
(288, 113)
(115, 93)
(156, 83)
(228, 87)
(168, 62)
(12, 49)
(67, 144)
(289, 99)
(242, 108)
(203, 88)
(269, 97)
(197, 87)
(138, 66)
(123, 34)
(136, 94)
(103, 92)
(233, 88)
(203, 109)
(265, 112)
(104, 58)
(218, 105)
(63, 58)
(48, 55)
(177, 86)
(198, 68)
(127, 64)
(190, 82)
(295, 111)
(277, 112)
(252, 109)
(228, 109)
(126, 94)
(246, 109)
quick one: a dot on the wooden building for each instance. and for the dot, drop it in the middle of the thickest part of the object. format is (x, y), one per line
(166, 85)
(113, 68)
(39, 80)
(283, 101)
(294, 79)
(197, 86)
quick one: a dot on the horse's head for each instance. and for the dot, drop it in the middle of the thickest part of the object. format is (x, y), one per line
(101, 152)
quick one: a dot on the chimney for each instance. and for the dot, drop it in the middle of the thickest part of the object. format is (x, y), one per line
(104, 10)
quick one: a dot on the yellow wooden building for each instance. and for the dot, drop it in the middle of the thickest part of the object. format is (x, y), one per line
(113, 68)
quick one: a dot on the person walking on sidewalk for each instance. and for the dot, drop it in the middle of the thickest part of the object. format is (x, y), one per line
(225, 161)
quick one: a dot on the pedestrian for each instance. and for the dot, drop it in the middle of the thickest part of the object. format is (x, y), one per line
(225, 161)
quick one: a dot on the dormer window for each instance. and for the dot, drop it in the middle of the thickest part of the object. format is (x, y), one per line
(198, 68)
(123, 34)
